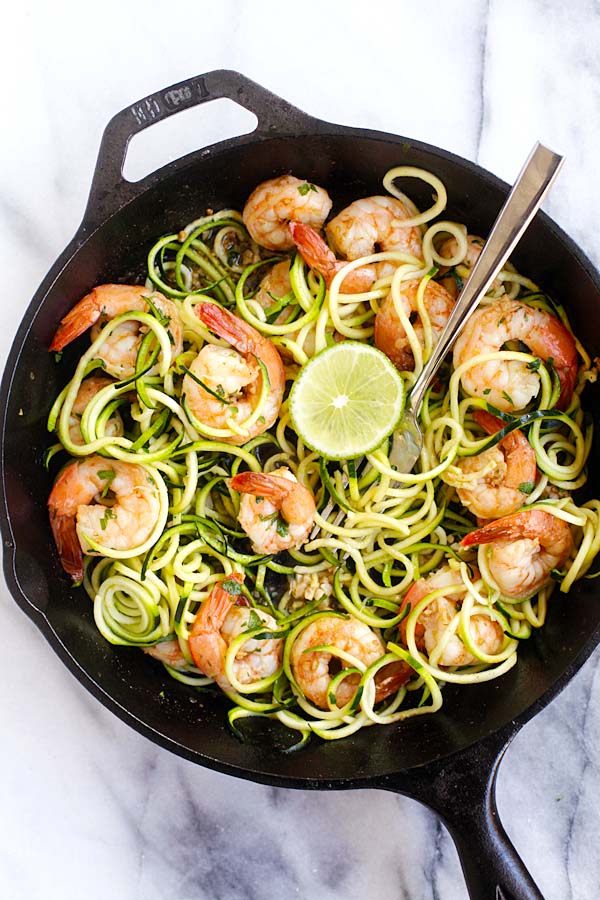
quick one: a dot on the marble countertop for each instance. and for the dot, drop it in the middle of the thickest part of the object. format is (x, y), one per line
(89, 807)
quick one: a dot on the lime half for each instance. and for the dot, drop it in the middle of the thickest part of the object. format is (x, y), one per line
(347, 400)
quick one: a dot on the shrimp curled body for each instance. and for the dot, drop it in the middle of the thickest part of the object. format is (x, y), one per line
(371, 225)
(234, 378)
(120, 349)
(218, 623)
(80, 520)
(88, 389)
(322, 259)
(313, 669)
(507, 472)
(435, 618)
(278, 201)
(390, 336)
(524, 548)
(510, 384)
(276, 511)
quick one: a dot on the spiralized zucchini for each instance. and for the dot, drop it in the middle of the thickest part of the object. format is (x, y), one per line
(386, 530)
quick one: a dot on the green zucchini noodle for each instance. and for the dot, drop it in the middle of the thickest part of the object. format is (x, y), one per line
(379, 533)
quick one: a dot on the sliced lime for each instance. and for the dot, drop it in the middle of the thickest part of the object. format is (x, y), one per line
(346, 400)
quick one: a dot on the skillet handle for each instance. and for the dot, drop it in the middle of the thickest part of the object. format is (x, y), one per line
(110, 191)
(462, 790)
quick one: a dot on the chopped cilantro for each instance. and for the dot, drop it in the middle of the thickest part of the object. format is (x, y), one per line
(501, 321)
(107, 475)
(109, 514)
(254, 621)
(259, 499)
(232, 586)
(303, 189)
(261, 420)
(526, 487)
(58, 356)
(486, 391)
(508, 398)
(281, 527)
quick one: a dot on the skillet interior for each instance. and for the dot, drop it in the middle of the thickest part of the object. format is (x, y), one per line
(349, 165)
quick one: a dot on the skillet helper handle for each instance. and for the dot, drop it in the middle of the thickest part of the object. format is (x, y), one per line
(462, 790)
(110, 190)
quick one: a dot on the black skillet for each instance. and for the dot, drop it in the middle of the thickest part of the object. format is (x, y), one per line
(448, 761)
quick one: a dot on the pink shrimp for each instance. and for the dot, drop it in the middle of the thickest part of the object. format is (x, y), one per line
(323, 260)
(80, 521)
(389, 334)
(435, 618)
(119, 351)
(511, 384)
(218, 622)
(524, 548)
(269, 499)
(508, 472)
(234, 378)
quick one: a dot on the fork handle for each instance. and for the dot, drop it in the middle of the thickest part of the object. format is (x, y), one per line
(534, 181)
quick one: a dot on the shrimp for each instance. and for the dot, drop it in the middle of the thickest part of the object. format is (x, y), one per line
(276, 511)
(278, 201)
(119, 351)
(390, 337)
(275, 285)
(435, 618)
(168, 653)
(313, 669)
(87, 391)
(80, 520)
(234, 378)
(218, 623)
(371, 225)
(507, 472)
(524, 548)
(323, 260)
(510, 384)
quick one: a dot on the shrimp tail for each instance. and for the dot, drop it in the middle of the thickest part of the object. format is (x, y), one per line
(389, 679)
(227, 326)
(262, 485)
(487, 421)
(321, 258)
(83, 315)
(525, 524)
(67, 544)
(313, 249)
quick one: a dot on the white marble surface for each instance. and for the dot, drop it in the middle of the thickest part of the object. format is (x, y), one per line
(90, 808)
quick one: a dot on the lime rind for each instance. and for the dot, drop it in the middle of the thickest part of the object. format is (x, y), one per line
(347, 400)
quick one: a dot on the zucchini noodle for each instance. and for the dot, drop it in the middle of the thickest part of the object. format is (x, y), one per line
(385, 563)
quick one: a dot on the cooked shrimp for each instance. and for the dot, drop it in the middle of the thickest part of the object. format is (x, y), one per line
(87, 391)
(273, 287)
(278, 201)
(507, 473)
(79, 519)
(323, 260)
(313, 669)
(234, 377)
(524, 548)
(509, 384)
(276, 511)
(371, 225)
(433, 621)
(169, 653)
(119, 351)
(218, 623)
(389, 334)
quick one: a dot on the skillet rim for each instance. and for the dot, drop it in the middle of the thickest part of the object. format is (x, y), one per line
(86, 231)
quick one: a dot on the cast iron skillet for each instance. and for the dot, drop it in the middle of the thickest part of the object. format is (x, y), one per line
(448, 761)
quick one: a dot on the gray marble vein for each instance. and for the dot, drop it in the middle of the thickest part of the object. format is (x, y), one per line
(90, 808)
